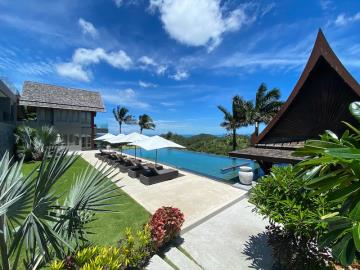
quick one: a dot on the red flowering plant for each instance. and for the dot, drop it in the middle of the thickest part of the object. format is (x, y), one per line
(165, 225)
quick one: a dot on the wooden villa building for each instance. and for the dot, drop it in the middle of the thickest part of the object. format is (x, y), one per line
(70, 111)
(319, 101)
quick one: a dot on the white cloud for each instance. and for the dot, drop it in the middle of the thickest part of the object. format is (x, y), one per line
(117, 59)
(127, 97)
(147, 84)
(168, 104)
(161, 69)
(147, 61)
(73, 71)
(199, 23)
(180, 75)
(326, 4)
(118, 3)
(88, 28)
(342, 19)
(82, 58)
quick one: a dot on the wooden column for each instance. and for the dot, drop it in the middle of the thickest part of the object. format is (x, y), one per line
(92, 130)
(265, 166)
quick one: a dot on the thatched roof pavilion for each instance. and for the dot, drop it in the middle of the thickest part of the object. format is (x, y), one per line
(319, 101)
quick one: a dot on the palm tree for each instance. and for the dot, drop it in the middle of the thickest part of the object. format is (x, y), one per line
(31, 218)
(239, 117)
(121, 115)
(145, 122)
(266, 106)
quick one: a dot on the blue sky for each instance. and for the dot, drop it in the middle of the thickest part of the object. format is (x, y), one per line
(175, 60)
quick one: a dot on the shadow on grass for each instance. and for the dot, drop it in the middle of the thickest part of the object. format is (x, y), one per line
(258, 252)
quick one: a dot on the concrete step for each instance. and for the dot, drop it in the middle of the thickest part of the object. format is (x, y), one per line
(181, 260)
(156, 263)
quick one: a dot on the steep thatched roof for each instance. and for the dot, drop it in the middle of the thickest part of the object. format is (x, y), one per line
(52, 96)
(319, 101)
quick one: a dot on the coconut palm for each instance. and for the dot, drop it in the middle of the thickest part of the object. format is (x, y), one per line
(266, 106)
(121, 115)
(31, 219)
(239, 117)
(145, 122)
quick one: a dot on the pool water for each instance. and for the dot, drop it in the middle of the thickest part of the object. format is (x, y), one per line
(200, 163)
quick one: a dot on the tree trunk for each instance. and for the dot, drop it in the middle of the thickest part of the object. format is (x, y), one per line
(3, 246)
(141, 130)
(234, 139)
(120, 127)
(257, 128)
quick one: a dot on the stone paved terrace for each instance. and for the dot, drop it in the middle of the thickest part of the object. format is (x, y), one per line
(195, 195)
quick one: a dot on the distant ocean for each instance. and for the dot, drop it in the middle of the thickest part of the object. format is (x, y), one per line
(216, 135)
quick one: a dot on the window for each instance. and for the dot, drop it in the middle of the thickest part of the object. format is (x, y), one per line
(77, 139)
(76, 116)
(83, 141)
(71, 139)
(57, 115)
(83, 117)
(88, 142)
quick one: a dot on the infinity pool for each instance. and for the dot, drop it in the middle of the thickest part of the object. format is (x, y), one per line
(199, 163)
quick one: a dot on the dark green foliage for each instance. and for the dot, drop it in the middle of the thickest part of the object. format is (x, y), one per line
(295, 253)
(281, 197)
(332, 169)
(145, 122)
(122, 116)
(208, 143)
(267, 104)
(238, 117)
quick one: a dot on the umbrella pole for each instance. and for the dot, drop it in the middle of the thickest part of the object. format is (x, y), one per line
(155, 157)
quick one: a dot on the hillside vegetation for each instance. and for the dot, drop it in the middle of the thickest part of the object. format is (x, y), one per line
(208, 143)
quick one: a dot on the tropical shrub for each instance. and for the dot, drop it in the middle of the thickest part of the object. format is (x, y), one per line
(31, 219)
(133, 252)
(293, 213)
(281, 197)
(45, 137)
(165, 225)
(31, 143)
(24, 137)
(332, 167)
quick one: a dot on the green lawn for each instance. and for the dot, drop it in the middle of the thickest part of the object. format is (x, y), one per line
(109, 227)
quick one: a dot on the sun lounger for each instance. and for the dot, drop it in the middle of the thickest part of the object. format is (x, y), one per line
(154, 176)
(129, 163)
(134, 172)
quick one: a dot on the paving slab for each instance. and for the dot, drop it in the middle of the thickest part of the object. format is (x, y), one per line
(196, 196)
(233, 239)
(156, 263)
(181, 260)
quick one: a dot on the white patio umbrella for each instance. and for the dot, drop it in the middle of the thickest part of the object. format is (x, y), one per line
(115, 139)
(105, 137)
(155, 143)
(131, 138)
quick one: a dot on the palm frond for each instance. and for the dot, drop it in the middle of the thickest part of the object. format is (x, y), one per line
(92, 192)
(227, 114)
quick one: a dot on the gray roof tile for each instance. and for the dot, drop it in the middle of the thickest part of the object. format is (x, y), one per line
(52, 96)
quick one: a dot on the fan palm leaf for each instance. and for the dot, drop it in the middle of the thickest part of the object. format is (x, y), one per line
(30, 217)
